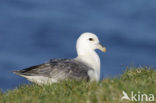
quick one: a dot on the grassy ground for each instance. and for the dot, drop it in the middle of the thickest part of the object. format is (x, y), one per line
(109, 90)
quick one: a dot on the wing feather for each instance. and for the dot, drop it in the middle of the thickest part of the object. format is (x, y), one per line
(58, 68)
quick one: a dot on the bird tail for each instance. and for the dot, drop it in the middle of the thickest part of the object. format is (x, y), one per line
(17, 72)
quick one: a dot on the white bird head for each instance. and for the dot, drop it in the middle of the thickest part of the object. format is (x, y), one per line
(89, 41)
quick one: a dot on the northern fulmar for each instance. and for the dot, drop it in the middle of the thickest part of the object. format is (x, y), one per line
(85, 66)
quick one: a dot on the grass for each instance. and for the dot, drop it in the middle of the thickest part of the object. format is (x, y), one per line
(109, 90)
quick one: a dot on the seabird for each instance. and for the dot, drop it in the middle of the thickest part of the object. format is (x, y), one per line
(85, 66)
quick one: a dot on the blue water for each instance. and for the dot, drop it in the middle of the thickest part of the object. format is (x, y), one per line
(34, 31)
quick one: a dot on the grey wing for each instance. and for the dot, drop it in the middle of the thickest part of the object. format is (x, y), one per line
(58, 69)
(38, 70)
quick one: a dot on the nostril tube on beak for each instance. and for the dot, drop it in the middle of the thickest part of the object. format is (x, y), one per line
(102, 48)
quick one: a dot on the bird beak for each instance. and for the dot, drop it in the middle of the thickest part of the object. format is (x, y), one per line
(101, 47)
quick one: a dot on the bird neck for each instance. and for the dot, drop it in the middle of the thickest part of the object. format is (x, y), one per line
(90, 58)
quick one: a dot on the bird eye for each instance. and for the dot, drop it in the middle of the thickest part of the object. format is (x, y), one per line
(90, 39)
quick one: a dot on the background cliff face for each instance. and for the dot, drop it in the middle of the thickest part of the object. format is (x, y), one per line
(33, 31)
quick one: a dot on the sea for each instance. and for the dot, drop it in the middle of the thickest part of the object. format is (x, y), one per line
(34, 31)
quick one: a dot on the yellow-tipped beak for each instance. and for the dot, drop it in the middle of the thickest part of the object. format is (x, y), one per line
(102, 48)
